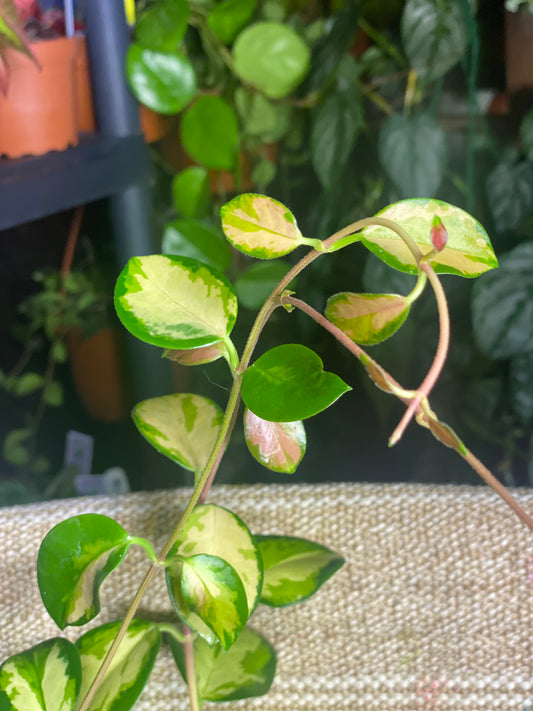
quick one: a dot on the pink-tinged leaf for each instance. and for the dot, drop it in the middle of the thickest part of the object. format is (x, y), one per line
(279, 446)
(367, 318)
(196, 356)
(5, 75)
(439, 235)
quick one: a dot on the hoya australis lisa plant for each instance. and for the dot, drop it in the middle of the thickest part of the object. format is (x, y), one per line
(217, 570)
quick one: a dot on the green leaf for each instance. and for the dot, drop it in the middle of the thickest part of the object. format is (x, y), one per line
(163, 26)
(367, 318)
(210, 133)
(215, 531)
(211, 589)
(468, 252)
(412, 150)
(272, 57)
(197, 356)
(130, 668)
(15, 449)
(260, 226)
(502, 306)
(190, 191)
(175, 302)
(53, 394)
(279, 446)
(294, 568)
(521, 385)
(526, 134)
(255, 284)
(510, 194)
(260, 117)
(163, 81)
(229, 17)
(59, 351)
(196, 239)
(182, 427)
(434, 35)
(288, 383)
(244, 671)
(27, 383)
(46, 677)
(74, 559)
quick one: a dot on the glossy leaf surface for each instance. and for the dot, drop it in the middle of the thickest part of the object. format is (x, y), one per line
(212, 590)
(294, 568)
(272, 57)
(510, 194)
(175, 302)
(130, 667)
(227, 18)
(163, 81)
(255, 284)
(210, 133)
(74, 558)
(183, 427)
(197, 356)
(190, 191)
(163, 25)
(367, 318)
(288, 383)
(412, 151)
(468, 252)
(279, 446)
(198, 240)
(215, 531)
(46, 677)
(245, 670)
(260, 226)
(502, 306)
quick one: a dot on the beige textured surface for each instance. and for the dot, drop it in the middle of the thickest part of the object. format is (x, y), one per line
(433, 609)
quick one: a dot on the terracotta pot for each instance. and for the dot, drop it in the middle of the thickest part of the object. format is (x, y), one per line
(86, 120)
(518, 50)
(97, 373)
(153, 125)
(39, 113)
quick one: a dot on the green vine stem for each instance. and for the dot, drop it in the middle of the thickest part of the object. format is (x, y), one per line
(190, 670)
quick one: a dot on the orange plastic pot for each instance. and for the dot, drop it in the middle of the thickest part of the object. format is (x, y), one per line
(39, 113)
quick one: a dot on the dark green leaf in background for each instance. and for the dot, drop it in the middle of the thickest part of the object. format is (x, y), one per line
(256, 283)
(521, 382)
(163, 81)
(199, 240)
(526, 134)
(210, 133)
(190, 192)
(163, 25)
(510, 194)
(412, 150)
(228, 18)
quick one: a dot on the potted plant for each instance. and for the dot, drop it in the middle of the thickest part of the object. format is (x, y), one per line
(216, 570)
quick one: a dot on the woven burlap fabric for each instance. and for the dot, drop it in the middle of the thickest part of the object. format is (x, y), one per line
(433, 609)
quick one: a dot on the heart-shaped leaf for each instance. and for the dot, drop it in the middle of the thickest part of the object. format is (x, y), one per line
(210, 133)
(74, 559)
(244, 671)
(163, 81)
(434, 35)
(294, 568)
(413, 151)
(212, 590)
(272, 57)
(228, 17)
(279, 446)
(510, 194)
(183, 427)
(196, 239)
(130, 668)
(255, 284)
(163, 25)
(46, 677)
(288, 383)
(190, 191)
(367, 318)
(261, 226)
(468, 252)
(214, 531)
(175, 302)
(502, 306)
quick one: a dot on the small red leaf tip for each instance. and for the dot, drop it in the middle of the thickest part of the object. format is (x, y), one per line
(439, 235)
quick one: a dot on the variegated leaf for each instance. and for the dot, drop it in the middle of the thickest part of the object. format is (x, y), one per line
(211, 589)
(367, 318)
(261, 226)
(175, 302)
(74, 558)
(245, 670)
(294, 569)
(215, 531)
(468, 252)
(197, 356)
(279, 446)
(130, 668)
(182, 426)
(46, 677)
